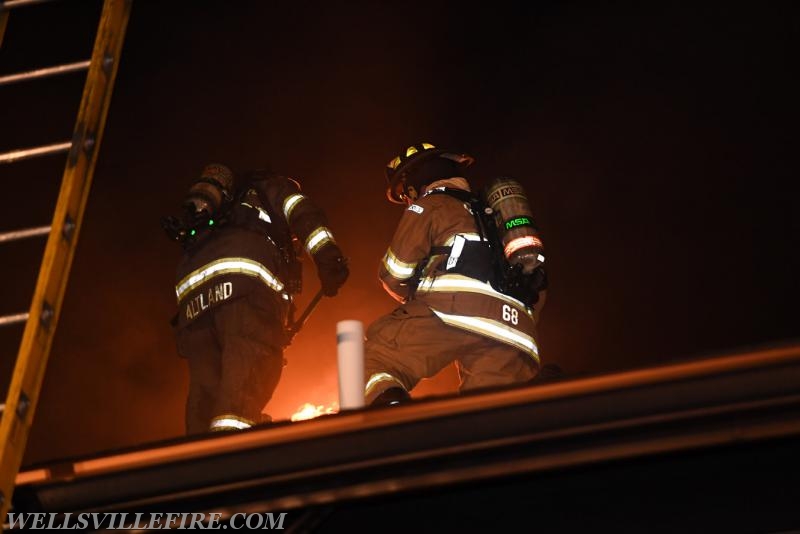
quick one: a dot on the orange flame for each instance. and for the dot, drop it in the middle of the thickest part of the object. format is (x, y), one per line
(310, 411)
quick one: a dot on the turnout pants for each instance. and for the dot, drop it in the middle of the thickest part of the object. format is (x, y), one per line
(412, 343)
(235, 359)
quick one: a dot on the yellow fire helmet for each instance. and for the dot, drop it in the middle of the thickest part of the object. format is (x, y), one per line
(401, 186)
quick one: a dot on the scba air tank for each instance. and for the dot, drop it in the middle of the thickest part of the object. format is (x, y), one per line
(512, 215)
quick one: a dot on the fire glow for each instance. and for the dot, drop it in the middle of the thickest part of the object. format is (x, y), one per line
(310, 411)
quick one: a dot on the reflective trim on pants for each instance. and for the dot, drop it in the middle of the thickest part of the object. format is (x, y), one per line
(493, 329)
(229, 422)
(378, 378)
(454, 283)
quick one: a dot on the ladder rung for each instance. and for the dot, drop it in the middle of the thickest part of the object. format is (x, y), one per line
(25, 153)
(13, 319)
(11, 4)
(45, 72)
(24, 233)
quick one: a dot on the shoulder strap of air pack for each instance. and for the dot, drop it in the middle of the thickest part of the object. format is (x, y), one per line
(492, 265)
(482, 259)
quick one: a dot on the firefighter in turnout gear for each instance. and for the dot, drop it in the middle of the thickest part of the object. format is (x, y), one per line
(235, 285)
(439, 266)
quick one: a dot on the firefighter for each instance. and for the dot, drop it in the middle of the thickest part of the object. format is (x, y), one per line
(236, 281)
(438, 266)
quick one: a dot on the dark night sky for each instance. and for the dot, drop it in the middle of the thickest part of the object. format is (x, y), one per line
(654, 144)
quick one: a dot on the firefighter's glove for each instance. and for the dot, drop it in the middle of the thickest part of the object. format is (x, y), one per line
(332, 269)
(536, 282)
(539, 279)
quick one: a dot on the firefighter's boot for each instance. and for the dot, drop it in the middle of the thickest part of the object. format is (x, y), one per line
(391, 397)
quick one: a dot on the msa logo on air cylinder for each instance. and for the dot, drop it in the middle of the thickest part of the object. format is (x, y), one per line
(512, 214)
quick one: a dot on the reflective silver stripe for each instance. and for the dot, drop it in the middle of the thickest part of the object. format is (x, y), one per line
(450, 283)
(493, 329)
(227, 266)
(431, 190)
(377, 378)
(226, 422)
(262, 214)
(455, 252)
(456, 242)
(318, 239)
(466, 235)
(290, 203)
(398, 269)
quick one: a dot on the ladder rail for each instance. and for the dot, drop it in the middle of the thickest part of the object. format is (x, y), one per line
(51, 284)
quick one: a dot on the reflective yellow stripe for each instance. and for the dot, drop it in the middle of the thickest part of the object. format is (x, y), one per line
(493, 329)
(377, 378)
(318, 239)
(229, 422)
(227, 266)
(290, 203)
(451, 283)
(398, 269)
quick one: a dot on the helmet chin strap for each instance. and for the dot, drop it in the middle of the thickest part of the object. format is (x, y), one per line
(410, 194)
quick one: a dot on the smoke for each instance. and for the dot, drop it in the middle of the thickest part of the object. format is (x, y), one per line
(652, 160)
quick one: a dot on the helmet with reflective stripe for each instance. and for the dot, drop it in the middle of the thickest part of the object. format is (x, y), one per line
(403, 184)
